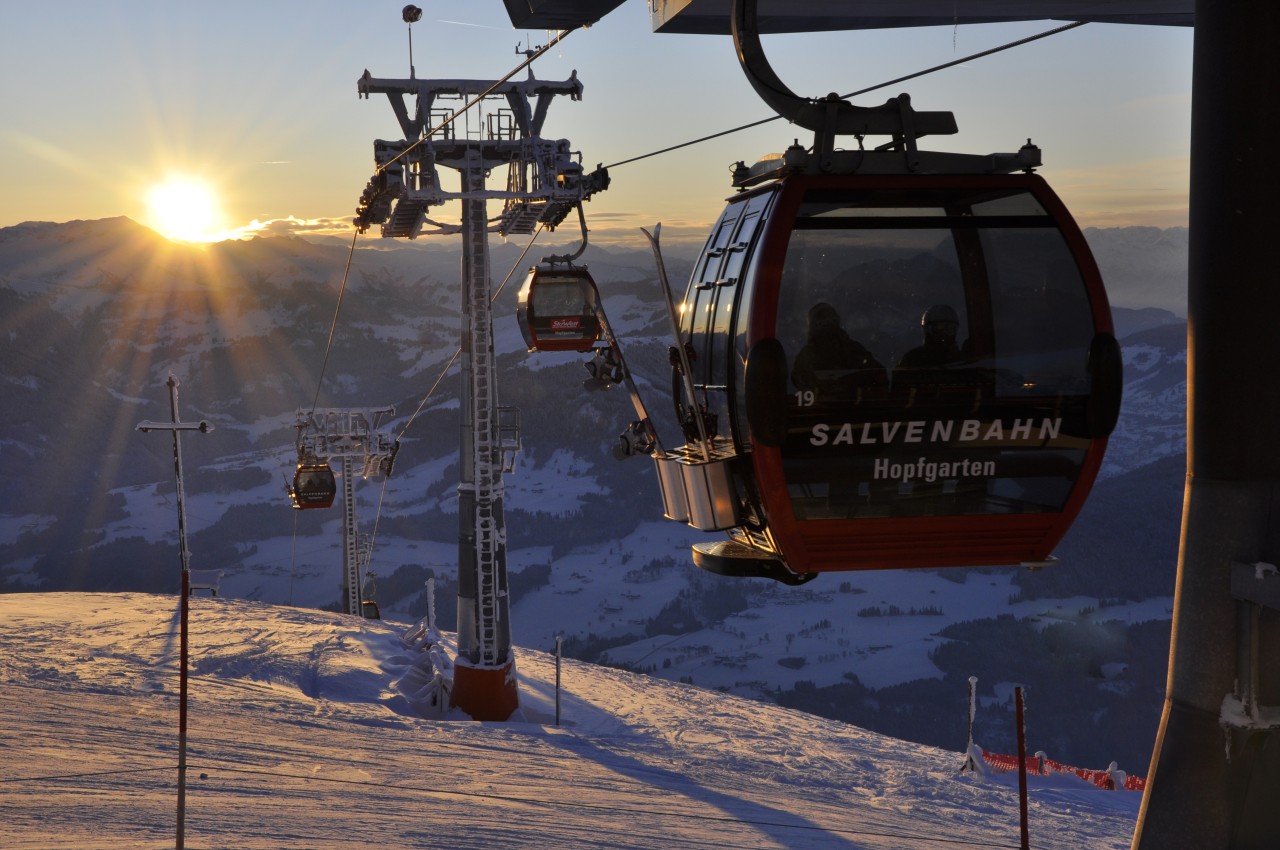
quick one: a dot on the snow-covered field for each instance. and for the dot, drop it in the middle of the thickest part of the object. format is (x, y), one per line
(300, 738)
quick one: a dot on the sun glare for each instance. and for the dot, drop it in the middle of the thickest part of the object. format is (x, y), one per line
(184, 210)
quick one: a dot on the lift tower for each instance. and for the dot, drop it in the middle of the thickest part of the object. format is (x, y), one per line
(351, 437)
(545, 182)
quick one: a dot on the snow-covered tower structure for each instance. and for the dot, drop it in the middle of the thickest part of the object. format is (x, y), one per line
(349, 436)
(495, 124)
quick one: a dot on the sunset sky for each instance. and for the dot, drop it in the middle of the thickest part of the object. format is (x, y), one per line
(107, 104)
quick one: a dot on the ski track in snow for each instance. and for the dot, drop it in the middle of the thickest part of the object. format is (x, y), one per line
(298, 737)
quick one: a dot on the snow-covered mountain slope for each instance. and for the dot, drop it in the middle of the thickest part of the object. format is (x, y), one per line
(1152, 424)
(93, 315)
(299, 737)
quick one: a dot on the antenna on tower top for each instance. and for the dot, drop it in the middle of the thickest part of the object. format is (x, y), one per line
(411, 15)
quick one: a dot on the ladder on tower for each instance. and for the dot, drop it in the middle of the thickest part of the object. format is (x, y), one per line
(488, 479)
(350, 559)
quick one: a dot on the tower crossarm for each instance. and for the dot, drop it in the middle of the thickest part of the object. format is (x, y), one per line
(426, 91)
(548, 178)
(327, 434)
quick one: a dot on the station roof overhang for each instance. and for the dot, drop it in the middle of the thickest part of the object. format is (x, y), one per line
(712, 16)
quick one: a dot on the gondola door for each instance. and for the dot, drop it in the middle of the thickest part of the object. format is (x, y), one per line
(718, 295)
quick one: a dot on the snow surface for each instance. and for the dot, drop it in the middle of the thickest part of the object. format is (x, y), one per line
(299, 737)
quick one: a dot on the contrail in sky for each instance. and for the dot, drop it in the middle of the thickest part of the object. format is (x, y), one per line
(466, 24)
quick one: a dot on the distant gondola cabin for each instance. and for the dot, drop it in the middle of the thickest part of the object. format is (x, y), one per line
(554, 311)
(314, 486)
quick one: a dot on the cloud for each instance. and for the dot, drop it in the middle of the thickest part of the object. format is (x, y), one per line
(1155, 193)
(291, 226)
(612, 229)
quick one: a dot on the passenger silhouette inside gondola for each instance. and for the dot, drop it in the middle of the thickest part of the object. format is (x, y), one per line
(939, 379)
(938, 370)
(940, 325)
(836, 367)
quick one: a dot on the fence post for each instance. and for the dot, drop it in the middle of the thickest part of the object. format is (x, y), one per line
(1022, 770)
(559, 644)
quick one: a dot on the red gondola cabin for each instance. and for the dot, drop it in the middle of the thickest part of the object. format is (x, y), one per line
(905, 371)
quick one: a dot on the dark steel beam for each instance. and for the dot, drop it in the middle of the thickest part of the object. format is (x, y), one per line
(1213, 776)
(712, 16)
(558, 14)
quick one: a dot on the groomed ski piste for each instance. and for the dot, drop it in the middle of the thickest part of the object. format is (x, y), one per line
(301, 735)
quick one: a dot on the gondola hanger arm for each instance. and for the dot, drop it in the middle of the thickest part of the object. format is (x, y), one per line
(569, 258)
(829, 116)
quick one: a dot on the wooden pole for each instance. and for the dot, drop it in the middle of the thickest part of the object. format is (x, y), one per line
(184, 607)
(176, 426)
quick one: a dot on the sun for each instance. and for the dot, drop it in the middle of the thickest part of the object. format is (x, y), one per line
(184, 210)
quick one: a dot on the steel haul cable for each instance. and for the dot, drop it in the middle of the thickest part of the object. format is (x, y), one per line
(935, 68)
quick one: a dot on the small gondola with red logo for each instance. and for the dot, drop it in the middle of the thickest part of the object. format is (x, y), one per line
(556, 306)
(552, 312)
